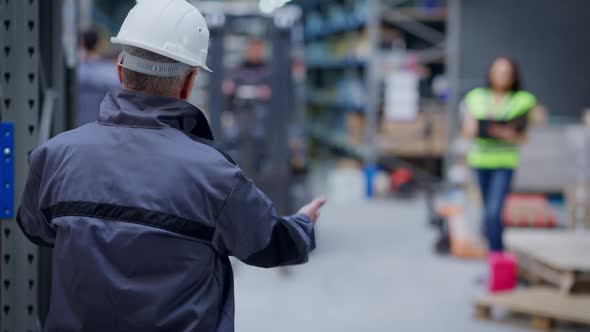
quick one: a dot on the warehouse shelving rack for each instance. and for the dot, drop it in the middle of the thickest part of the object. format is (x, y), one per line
(413, 21)
(37, 98)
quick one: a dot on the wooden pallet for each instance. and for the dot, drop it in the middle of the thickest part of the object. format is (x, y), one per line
(545, 307)
(557, 257)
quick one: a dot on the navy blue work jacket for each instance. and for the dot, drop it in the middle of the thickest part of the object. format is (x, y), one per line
(142, 210)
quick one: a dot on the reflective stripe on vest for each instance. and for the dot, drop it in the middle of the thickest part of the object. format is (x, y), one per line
(488, 152)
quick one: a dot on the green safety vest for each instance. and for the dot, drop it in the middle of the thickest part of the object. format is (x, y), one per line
(489, 153)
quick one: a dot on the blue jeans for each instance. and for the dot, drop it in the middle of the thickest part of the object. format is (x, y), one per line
(494, 185)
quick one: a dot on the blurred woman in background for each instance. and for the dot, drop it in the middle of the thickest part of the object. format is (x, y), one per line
(496, 118)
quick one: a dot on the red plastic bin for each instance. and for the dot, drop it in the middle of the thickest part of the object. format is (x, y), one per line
(503, 272)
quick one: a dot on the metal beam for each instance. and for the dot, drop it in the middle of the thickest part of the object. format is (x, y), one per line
(430, 55)
(282, 107)
(415, 27)
(453, 61)
(215, 61)
(86, 13)
(373, 83)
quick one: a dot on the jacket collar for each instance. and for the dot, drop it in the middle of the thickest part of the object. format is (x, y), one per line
(136, 109)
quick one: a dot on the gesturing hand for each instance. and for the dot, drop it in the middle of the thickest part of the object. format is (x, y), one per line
(312, 210)
(506, 133)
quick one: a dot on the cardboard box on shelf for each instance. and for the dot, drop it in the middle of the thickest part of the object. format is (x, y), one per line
(401, 95)
(406, 138)
(403, 138)
(355, 126)
(348, 163)
(577, 199)
(577, 183)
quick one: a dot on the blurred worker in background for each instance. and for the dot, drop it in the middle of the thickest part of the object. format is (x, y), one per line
(142, 208)
(248, 90)
(252, 71)
(96, 76)
(496, 117)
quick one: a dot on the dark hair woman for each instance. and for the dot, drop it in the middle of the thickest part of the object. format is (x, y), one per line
(496, 117)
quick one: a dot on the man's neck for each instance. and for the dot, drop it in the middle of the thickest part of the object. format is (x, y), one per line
(152, 94)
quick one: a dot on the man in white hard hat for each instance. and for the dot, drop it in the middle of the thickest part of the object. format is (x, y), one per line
(141, 207)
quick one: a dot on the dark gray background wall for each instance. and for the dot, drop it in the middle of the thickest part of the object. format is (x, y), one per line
(549, 38)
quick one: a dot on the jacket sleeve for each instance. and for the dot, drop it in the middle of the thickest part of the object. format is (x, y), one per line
(249, 228)
(30, 218)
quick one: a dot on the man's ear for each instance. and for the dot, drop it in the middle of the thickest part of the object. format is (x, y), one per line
(120, 74)
(189, 82)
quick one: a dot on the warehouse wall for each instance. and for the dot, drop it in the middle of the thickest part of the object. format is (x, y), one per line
(554, 53)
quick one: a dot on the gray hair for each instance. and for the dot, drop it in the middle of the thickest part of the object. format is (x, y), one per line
(152, 84)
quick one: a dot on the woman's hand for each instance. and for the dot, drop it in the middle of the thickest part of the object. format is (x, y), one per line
(503, 132)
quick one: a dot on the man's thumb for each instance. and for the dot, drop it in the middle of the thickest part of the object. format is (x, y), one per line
(319, 202)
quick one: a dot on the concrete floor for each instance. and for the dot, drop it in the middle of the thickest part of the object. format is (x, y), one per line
(373, 271)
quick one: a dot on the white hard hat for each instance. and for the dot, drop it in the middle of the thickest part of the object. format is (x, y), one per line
(172, 28)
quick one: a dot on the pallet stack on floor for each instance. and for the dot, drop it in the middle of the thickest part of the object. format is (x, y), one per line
(557, 266)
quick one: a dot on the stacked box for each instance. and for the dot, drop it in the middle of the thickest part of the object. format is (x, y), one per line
(577, 189)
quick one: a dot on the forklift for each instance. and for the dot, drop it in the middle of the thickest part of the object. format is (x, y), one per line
(252, 98)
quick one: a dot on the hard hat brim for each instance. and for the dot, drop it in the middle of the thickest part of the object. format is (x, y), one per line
(157, 50)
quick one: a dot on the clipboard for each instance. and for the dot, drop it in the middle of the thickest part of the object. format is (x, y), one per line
(520, 124)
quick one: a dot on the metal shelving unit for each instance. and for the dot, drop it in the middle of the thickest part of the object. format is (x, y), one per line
(334, 105)
(19, 40)
(334, 64)
(349, 25)
(367, 64)
(335, 142)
